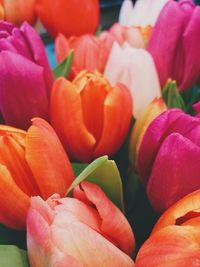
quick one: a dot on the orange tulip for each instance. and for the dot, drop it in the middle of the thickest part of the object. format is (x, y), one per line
(175, 238)
(86, 231)
(90, 117)
(71, 17)
(1, 11)
(31, 163)
(18, 11)
(92, 52)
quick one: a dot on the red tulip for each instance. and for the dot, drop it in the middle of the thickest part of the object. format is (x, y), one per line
(71, 17)
(76, 232)
(175, 238)
(175, 43)
(31, 163)
(168, 159)
(87, 115)
(91, 52)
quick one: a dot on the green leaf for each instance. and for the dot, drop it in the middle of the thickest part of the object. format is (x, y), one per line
(63, 69)
(12, 256)
(99, 31)
(78, 168)
(171, 95)
(104, 173)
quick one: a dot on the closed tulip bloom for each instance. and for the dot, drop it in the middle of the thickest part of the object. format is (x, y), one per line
(26, 77)
(92, 52)
(77, 232)
(71, 17)
(18, 11)
(176, 36)
(143, 13)
(31, 163)
(134, 68)
(87, 115)
(168, 159)
(175, 238)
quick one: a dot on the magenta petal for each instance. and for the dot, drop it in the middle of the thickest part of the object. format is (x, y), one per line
(191, 46)
(38, 50)
(6, 26)
(173, 120)
(165, 38)
(175, 172)
(23, 91)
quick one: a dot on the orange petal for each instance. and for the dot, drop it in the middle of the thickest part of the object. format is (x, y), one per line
(173, 246)
(67, 120)
(47, 159)
(14, 202)
(180, 211)
(92, 98)
(13, 157)
(117, 117)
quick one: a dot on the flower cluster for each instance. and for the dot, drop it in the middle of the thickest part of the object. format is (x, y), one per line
(100, 156)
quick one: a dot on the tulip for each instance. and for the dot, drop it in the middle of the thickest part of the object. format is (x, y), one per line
(90, 231)
(134, 68)
(91, 52)
(168, 158)
(180, 23)
(143, 13)
(69, 17)
(17, 11)
(93, 112)
(1, 12)
(31, 163)
(175, 238)
(26, 77)
(155, 108)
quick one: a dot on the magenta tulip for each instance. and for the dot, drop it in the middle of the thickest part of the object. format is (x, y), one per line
(26, 77)
(88, 230)
(168, 159)
(175, 43)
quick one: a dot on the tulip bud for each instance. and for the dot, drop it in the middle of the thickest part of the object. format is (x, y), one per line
(93, 110)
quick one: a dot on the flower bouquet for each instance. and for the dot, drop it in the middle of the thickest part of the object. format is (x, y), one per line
(100, 154)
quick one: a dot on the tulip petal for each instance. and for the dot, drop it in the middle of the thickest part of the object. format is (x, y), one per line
(158, 46)
(173, 120)
(191, 38)
(13, 201)
(67, 120)
(39, 54)
(32, 100)
(47, 159)
(114, 225)
(170, 177)
(88, 243)
(181, 209)
(118, 101)
(62, 47)
(173, 246)
(126, 12)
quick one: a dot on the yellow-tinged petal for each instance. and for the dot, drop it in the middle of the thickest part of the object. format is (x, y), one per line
(156, 107)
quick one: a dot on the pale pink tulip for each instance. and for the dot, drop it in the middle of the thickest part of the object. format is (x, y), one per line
(134, 68)
(88, 231)
(143, 13)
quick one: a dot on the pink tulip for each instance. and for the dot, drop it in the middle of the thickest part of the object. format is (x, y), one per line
(92, 52)
(135, 68)
(175, 43)
(168, 159)
(143, 13)
(88, 230)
